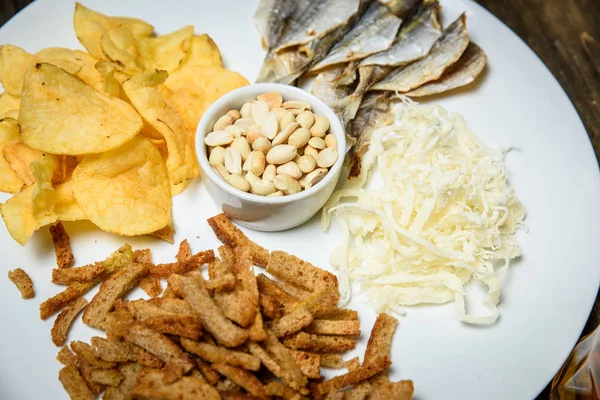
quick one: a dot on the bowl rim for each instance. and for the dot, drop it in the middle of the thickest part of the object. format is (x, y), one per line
(241, 93)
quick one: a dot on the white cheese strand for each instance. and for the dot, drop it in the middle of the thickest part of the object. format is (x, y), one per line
(443, 216)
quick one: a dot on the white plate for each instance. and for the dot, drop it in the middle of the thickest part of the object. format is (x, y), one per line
(548, 294)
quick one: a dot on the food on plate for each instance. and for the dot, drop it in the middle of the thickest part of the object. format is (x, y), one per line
(62, 245)
(73, 113)
(65, 318)
(23, 282)
(272, 147)
(185, 343)
(443, 216)
(355, 65)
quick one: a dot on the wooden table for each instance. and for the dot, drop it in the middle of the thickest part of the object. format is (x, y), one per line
(563, 33)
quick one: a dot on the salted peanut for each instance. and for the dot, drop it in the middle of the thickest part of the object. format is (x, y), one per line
(326, 327)
(87, 273)
(244, 123)
(290, 168)
(285, 133)
(234, 114)
(106, 377)
(286, 119)
(269, 173)
(299, 137)
(278, 193)
(233, 160)
(220, 169)
(62, 245)
(23, 282)
(281, 154)
(225, 332)
(320, 127)
(246, 110)
(112, 350)
(246, 164)
(63, 321)
(287, 184)
(262, 187)
(269, 125)
(218, 138)
(332, 360)
(306, 119)
(298, 105)
(223, 122)
(238, 182)
(331, 141)
(74, 384)
(306, 163)
(311, 151)
(114, 287)
(327, 158)
(252, 135)
(250, 177)
(217, 155)
(262, 143)
(292, 322)
(317, 143)
(235, 131)
(259, 110)
(312, 178)
(279, 112)
(243, 378)
(258, 163)
(242, 146)
(216, 354)
(273, 99)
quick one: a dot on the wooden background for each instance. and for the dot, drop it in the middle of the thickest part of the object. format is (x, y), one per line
(563, 33)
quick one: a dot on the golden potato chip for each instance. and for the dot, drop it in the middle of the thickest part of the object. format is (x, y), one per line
(33, 207)
(76, 62)
(121, 47)
(9, 135)
(19, 157)
(165, 52)
(124, 190)
(8, 103)
(144, 93)
(66, 207)
(90, 25)
(62, 115)
(14, 62)
(196, 88)
(202, 51)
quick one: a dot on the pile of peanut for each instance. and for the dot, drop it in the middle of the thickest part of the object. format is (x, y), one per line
(271, 147)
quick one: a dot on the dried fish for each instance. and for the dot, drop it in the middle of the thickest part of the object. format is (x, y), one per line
(468, 67)
(374, 32)
(445, 52)
(270, 19)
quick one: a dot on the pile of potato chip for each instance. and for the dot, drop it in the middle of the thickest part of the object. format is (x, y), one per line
(237, 334)
(105, 135)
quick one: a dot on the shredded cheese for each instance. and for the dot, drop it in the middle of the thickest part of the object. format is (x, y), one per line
(443, 216)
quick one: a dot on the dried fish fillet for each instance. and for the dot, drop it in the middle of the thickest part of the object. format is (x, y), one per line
(468, 67)
(401, 8)
(445, 52)
(374, 32)
(270, 19)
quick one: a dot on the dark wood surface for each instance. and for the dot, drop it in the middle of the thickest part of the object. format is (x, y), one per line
(563, 33)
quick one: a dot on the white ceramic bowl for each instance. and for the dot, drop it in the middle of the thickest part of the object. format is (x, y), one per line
(259, 212)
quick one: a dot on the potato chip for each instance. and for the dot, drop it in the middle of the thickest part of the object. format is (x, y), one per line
(125, 190)
(90, 25)
(121, 47)
(62, 115)
(202, 51)
(66, 207)
(8, 103)
(14, 62)
(76, 62)
(9, 135)
(19, 157)
(195, 88)
(145, 95)
(165, 52)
